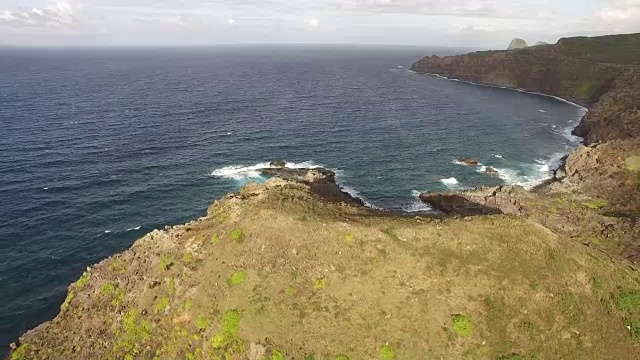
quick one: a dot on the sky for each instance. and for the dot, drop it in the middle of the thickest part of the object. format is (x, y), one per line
(473, 23)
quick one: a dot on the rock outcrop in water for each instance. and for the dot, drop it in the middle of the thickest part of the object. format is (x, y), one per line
(297, 269)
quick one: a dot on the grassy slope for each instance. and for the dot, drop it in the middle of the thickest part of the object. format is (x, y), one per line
(276, 273)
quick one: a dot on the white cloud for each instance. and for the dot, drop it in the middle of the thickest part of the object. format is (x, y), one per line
(483, 22)
(59, 13)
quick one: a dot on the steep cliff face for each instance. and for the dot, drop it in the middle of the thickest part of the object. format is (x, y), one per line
(601, 73)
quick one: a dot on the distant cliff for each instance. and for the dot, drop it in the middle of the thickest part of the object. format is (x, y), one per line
(602, 73)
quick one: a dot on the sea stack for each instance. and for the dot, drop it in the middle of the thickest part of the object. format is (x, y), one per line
(517, 44)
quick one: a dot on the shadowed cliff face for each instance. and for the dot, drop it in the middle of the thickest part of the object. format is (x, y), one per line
(601, 73)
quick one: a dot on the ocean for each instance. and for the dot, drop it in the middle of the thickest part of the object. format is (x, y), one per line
(100, 146)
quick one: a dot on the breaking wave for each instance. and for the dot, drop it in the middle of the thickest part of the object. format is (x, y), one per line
(252, 172)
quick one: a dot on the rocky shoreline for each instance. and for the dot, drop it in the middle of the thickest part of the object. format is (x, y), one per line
(594, 176)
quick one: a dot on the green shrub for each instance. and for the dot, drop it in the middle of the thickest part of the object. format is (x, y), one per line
(462, 324)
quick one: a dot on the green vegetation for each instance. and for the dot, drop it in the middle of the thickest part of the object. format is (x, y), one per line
(134, 333)
(319, 283)
(291, 291)
(616, 49)
(230, 325)
(387, 353)
(186, 306)
(202, 322)
(595, 204)
(237, 278)
(215, 238)
(171, 286)
(20, 353)
(84, 279)
(165, 263)
(162, 304)
(586, 90)
(108, 289)
(349, 237)
(189, 257)
(237, 235)
(65, 305)
(112, 291)
(277, 355)
(462, 324)
(632, 163)
(628, 301)
(117, 267)
(341, 357)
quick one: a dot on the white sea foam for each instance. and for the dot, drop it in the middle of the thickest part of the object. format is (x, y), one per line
(449, 181)
(240, 172)
(356, 194)
(498, 156)
(542, 111)
(135, 228)
(417, 206)
(45, 188)
(107, 231)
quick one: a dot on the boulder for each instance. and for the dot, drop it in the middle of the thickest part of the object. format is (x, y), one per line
(517, 44)
(468, 161)
(278, 164)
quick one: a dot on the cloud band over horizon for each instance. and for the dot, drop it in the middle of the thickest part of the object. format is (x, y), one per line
(479, 23)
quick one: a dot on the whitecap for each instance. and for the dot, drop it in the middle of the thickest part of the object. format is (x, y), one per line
(498, 156)
(45, 188)
(542, 111)
(415, 193)
(107, 231)
(449, 181)
(417, 206)
(135, 228)
(241, 172)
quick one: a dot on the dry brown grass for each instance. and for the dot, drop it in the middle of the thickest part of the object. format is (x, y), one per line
(363, 284)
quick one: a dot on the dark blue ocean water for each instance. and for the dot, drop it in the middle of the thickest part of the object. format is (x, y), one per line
(100, 146)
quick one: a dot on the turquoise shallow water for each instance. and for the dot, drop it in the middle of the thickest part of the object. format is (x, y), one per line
(100, 146)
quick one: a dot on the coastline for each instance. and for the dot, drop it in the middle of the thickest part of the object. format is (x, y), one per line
(259, 233)
(562, 161)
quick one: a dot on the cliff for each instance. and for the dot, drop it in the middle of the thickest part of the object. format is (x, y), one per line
(595, 195)
(278, 271)
(601, 73)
